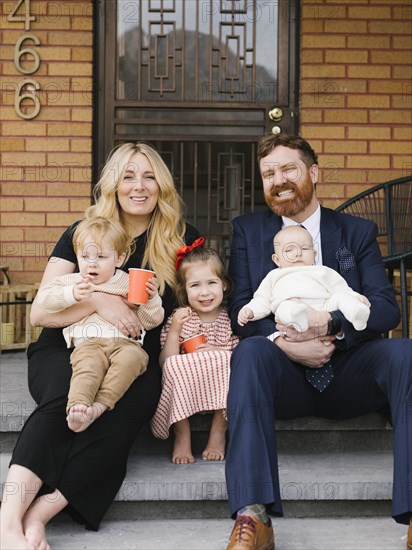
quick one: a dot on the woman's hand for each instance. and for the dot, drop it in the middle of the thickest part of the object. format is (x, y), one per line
(313, 353)
(119, 312)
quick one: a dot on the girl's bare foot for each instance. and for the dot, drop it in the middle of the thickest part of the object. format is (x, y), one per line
(215, 448)
(81, 416)
(182, 449)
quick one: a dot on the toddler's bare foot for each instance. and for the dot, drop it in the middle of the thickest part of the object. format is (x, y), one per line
(81, 416)
(77, 416)
(182, 449)
(215, 448)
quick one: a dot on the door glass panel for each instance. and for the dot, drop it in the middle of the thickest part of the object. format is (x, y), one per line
(188, 50)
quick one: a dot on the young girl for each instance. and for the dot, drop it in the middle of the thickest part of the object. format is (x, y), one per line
(196, 382)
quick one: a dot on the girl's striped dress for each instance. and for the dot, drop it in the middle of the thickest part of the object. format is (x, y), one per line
(195, 382)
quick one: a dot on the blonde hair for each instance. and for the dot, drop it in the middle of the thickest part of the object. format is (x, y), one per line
(96, 230)
(166, 227)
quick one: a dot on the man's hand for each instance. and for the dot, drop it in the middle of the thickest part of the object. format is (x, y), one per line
(313, 353)
(318, 328)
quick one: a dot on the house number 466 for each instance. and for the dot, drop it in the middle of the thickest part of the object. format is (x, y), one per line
(27, 88)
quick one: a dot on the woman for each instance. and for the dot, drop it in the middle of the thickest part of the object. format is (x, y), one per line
(84, 471)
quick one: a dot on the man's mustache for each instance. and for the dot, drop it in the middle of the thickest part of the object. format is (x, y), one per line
(287, 186)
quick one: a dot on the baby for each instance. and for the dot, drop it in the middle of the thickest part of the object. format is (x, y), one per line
(286, 292)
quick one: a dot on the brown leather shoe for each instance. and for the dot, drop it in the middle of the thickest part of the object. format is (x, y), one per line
(251, 534)
(409, 543)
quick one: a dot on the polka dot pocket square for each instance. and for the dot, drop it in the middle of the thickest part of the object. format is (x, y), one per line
(346, 260)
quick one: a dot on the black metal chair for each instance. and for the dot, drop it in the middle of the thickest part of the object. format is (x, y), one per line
(389, 205)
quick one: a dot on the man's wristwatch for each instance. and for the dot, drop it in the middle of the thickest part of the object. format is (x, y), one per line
(334, 324)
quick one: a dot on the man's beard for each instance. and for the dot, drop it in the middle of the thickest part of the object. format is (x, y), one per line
(302, 196)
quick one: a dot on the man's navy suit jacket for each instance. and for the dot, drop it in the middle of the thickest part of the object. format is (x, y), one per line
(349, 246)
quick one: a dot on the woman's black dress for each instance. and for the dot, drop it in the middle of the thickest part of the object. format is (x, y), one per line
(87, 467)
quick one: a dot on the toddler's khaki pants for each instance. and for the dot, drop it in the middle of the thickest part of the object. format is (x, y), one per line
(104, 369)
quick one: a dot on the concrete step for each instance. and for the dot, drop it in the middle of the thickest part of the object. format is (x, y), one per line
(325, 484)
(313, 484)
(207, 534)
(370, 432)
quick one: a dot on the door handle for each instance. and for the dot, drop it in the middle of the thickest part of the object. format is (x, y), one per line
(275, 114)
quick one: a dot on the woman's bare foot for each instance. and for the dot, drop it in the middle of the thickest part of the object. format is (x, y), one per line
(215, 448)
(13, 539)
(36, 536)
(42, 510)
(35, 530)
(20, 489)
(182, 448)
(80, 416)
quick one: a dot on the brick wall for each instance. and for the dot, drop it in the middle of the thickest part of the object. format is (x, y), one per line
(45, 161)
(355, 108)
(355, 102)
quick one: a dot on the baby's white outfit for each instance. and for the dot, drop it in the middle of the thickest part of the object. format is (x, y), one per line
(317, 286)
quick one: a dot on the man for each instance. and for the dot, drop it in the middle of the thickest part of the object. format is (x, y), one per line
(277, 372)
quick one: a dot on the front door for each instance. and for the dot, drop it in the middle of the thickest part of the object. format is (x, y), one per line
(202, 80)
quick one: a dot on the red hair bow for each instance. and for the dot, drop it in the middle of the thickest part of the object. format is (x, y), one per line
(183, 250)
